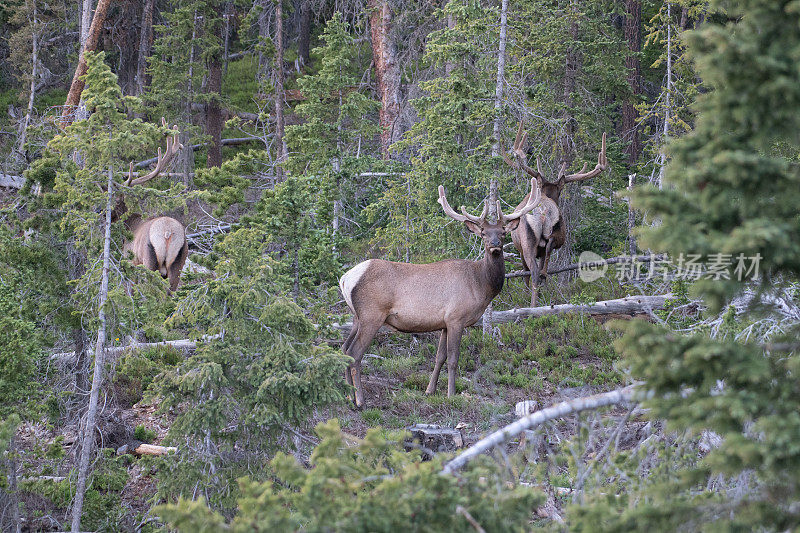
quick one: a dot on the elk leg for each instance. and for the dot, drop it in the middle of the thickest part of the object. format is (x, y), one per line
(174, 270)
(453, 350)
(441, 357)
(364, 336)
(546, 260)
(346, 346)
(534, 281)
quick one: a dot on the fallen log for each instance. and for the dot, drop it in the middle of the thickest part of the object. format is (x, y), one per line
(538, 418)
(196, 147)
(179, 344)
(593, 264)
(629, 305)
(153, 449)
(12, 182)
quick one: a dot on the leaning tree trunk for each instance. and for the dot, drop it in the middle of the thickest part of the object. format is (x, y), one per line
(87, 444)
(279, 88)
(633, 34)
(214, 110)
(498, 119)
(145, 41)
(387, 71)
(75, 90)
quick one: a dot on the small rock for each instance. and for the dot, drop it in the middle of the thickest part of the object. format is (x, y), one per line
(525, 408)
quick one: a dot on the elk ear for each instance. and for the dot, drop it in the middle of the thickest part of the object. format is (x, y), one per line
(473, 227)
(511, 226)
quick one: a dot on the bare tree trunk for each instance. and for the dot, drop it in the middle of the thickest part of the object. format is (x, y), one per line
(387, 71)
(571, 201)
(13, 491)
(23, 131)
(145, 41)
(304, 35)
(279, 89)
(498, 107)
(86, 22)
(631, 217)
(667, 95)
(87, 446)
(633, 34)
(214, 110)
(75, 90)
(226, 33)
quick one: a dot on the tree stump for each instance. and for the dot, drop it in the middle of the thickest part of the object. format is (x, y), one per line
(431, 439)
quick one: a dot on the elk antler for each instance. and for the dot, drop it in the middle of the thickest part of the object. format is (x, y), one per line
(465, 216)
(173, 146)
(602, 164)
(533, 200)
(521, 157)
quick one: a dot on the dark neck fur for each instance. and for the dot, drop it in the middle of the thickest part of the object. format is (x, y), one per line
(494, 269)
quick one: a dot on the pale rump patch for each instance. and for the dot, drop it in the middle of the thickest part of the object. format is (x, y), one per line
(349, 280)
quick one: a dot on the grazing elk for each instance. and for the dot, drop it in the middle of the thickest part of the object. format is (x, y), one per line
(447, 295)
(158, 243)
(543, 230)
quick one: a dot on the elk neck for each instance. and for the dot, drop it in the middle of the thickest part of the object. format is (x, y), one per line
(133, 221)
(492, 270)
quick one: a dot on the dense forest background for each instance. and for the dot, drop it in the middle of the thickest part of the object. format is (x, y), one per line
(313, 135)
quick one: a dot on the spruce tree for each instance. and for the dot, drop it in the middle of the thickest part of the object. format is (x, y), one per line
(732, 189)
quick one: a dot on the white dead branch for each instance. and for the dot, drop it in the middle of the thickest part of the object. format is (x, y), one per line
(180, 344)
(538, 418)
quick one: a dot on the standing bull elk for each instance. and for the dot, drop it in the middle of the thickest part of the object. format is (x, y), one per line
(543, 230)
(158, 243)
(445, 296)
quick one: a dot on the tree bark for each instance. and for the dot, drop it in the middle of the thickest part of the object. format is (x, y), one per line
(23, 131)
(633, 35)
(86, 22)
(279, 88)
(145, 41)
(97, 378)
(304, 35)
(75, 90)
(214, 110)
(498, 107)
(387, 71)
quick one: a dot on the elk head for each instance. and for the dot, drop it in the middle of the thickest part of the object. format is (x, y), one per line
(492, 233)
(159, 243)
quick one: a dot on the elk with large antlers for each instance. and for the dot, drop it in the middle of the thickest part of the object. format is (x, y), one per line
(445, 296)
(158, 243)
(543, 230)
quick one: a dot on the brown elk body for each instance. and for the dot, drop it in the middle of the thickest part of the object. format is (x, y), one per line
(158, 243)
(445, 296)
(544, 230)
